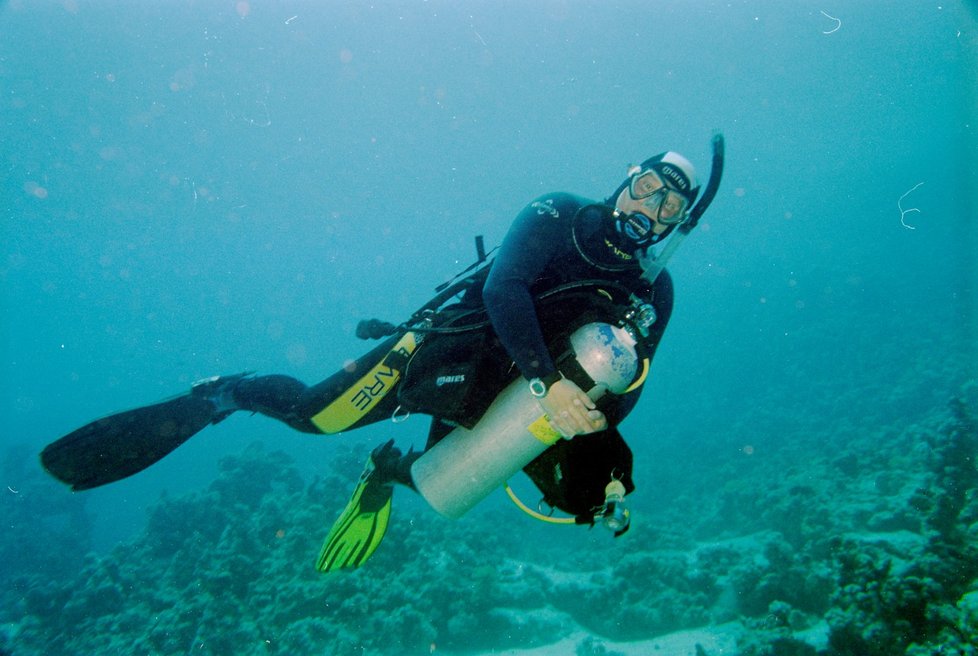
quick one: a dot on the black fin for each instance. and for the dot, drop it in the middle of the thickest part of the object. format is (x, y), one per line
(122, 444)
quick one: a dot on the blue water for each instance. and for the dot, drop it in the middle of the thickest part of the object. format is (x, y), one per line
(190, 189)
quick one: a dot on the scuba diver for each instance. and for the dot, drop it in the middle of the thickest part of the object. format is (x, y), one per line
(528, 360)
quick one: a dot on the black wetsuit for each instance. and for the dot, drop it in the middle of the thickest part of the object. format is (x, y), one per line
(552, 243)
(557, 239)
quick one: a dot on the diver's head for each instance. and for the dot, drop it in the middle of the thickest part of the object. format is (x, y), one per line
(656, 197)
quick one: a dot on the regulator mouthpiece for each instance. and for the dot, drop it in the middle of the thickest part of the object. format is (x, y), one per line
(614, 513)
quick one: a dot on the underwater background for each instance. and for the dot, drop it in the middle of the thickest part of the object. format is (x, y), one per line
(200, 188)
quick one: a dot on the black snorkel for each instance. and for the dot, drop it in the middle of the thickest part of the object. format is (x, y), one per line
(652, 264)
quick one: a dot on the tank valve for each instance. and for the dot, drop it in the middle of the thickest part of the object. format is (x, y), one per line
(641, 315)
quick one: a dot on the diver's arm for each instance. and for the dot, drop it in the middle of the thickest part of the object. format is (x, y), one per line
(570, 410)
(538, 236)
(532, 242)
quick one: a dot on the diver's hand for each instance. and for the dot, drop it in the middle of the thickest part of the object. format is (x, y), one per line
(571, 411)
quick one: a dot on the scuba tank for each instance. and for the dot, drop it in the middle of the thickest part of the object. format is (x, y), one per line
(464, 467)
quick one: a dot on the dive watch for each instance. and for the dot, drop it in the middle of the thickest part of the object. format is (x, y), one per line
(540, 386)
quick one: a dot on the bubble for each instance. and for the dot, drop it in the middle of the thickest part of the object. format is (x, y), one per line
(296, 354)
(275, 330)
(35, 190)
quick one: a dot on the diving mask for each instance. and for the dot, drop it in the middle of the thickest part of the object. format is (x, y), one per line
(668, 206)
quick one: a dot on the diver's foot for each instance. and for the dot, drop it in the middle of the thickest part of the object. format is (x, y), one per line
(391, 466)
(219, 390)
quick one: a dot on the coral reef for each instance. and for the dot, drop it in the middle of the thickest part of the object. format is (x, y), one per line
(229, 571)
(867, 550)
(46, 536)
(917, 598)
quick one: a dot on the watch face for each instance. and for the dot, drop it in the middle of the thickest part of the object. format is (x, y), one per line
(538, 388)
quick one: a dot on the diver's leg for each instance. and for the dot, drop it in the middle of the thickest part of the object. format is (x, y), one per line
(358, 394)
(274, 396)
(122, 444)
(439, 429)
(362, 392)
(390, 465)
(394, 467)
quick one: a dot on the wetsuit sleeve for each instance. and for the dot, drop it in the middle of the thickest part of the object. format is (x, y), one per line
(536, 238)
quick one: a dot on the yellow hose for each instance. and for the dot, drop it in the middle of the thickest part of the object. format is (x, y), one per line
(533, 513)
